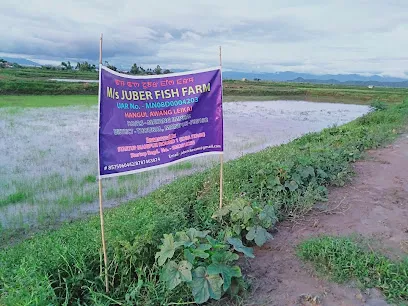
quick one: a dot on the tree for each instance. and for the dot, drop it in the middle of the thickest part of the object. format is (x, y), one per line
(2, 63)
(157, 70)
(166, 71)
(66, 66)
(135, 69)
(85, 66)
(110, 66)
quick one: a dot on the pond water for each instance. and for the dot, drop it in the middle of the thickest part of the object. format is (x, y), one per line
(49, 155)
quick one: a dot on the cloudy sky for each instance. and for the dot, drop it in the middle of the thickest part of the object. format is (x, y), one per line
(315, 36)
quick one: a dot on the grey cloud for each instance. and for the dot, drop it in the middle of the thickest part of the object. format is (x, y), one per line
(315, 36)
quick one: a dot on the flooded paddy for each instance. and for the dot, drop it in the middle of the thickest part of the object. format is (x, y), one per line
(48, 164)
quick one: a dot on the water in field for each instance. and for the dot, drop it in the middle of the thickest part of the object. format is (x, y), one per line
(48, 163)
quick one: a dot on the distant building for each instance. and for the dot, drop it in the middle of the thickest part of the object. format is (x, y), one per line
(371, 86)
(244, 80)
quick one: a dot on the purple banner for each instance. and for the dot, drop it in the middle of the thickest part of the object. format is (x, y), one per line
(148, 122)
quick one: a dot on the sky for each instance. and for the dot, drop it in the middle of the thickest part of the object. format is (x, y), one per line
(314, 36)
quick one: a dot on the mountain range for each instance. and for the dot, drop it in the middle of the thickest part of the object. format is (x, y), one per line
(20, 61)
(292, 76)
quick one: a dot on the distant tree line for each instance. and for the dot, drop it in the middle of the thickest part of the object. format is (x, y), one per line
(85, 66)
(139, 70)
(135, 69)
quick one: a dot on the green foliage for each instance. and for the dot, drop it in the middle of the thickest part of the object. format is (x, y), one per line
(247, 91)
(16, 197)
(379, 105)
(205, 286)
(66, 66)
(343, 259)
(239, 247)
(158, 70)
(18, 102)
(139, 70)
(205, 264)
(245, 219)
(85, 66)
(64, 263)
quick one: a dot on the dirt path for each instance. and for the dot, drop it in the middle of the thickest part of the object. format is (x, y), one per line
(375, 205)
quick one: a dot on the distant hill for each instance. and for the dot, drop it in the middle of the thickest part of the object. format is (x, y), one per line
(289, 75)
(345, 79)
(20, 61)
(400, 84)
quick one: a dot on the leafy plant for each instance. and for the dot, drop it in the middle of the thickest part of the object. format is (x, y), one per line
(245, 219)
(344, 258)
(204, 264)
(378, 105)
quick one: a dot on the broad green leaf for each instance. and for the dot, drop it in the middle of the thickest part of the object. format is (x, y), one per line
(237, 209)
(321, 173)
(224, 257)
(205, 286)
(189, 238)
(193, 234)
(181, 238)
(273, 181)
(259, 234)
(291, 185)
(221, 212)
(227, 273)
(307, 171)
(297, 178)
(239, 247)
(215, 244)
(212, 241)
(189, 256)
(204, 247)
(237, 229)
(174, 274)
(267, 216)
(200, 253)
(167, 249)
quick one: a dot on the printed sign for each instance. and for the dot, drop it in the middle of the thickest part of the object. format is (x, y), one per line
(147, 122)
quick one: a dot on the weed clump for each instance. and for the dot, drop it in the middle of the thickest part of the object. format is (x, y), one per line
(343, 260)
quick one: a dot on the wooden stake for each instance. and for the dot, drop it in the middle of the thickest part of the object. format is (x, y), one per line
(105, 255)
(221, 158)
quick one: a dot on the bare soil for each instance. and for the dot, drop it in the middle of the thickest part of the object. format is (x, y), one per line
(374, 204)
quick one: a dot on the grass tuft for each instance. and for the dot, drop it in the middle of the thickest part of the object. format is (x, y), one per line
(343, 260)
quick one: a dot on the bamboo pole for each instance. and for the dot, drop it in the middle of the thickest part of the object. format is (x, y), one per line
(221, 157)
(105, 255)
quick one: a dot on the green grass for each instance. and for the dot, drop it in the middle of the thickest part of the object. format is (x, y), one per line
(180, 166)
(43, 74)
(343, 259)
(63, 266)
(16, 197)
(36, 82)
(248, 91)
(47, 101)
